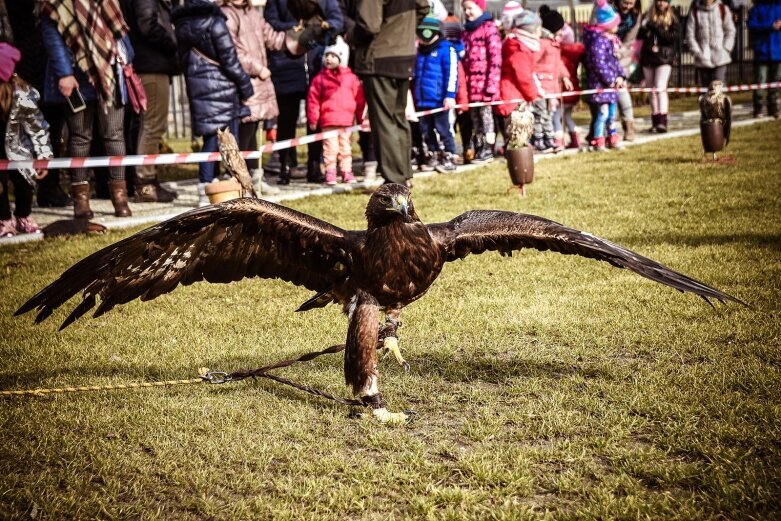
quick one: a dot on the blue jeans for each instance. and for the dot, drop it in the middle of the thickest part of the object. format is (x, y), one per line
(210, 144)
(766, 72)
(441, 123)
(606, 120)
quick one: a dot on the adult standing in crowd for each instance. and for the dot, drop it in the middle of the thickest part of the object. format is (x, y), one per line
(155, 62)
(764, 24)
(660, 30)
(216, 83)
(629, 11)
(292, 76)
(384, 40)
(83, 41)
(25, 25)
(710, 35)
(252, 36)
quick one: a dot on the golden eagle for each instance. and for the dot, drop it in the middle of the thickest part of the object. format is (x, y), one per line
(378, 270)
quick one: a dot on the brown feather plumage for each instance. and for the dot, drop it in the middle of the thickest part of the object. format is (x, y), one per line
(382, 269)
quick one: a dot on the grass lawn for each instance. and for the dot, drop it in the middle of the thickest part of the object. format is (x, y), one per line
(546, 386)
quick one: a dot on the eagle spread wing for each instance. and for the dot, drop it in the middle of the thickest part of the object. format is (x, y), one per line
(487, 230)
(220, 243)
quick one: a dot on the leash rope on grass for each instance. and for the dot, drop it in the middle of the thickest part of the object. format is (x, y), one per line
(213, 377)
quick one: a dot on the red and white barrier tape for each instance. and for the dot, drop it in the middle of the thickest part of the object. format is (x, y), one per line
(204, 157)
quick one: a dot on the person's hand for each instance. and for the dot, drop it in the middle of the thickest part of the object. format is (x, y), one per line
(67, 84)
(40, 174)
(619, 82)
(265, 73)
(777, 25)
(567, 84)
(312, 127)
(449, 103)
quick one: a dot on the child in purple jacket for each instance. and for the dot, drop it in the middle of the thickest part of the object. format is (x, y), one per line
(483, 67)
(604, 71)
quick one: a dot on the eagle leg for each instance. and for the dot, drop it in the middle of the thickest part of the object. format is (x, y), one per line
(390, 339)
(360, 358)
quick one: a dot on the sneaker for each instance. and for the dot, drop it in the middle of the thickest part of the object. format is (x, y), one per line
(447, 165)
(483, 156)
(614, 141)
(27, 225)
(554, 145)
(542, 146)
(154, 193)
(369, 170)
(430, 164)
(348, 177)
(8, 228)
(330, 177)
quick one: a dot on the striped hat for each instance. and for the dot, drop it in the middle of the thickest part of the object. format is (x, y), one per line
(510, 10)
(604, 16)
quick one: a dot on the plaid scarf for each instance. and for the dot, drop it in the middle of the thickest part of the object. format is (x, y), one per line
(91, 29)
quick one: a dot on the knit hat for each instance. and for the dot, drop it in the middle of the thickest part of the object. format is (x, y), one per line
(553, 21)
(527, 21)
(478, 3)
(510, 10)
(429, 29)
(340, 49)
(452, 28)
(604, 16)
(9, 55)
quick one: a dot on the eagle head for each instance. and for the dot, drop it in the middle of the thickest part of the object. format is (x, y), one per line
(390, 202)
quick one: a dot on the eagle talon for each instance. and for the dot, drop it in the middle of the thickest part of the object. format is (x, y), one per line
(390, 344)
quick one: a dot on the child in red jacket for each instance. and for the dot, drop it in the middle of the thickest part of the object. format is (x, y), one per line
(336, 100)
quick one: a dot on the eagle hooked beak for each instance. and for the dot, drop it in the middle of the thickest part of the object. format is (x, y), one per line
(399, 204)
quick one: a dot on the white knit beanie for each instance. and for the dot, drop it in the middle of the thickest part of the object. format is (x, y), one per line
(339, 48)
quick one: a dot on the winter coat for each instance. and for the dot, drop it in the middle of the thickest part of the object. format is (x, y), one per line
(384, 36)
(152, 35)
(252, 35)
(661, 38)
(27, 133)
(766, 40)
(517, 77)
(292, 74)
(571, 56)
(335, 98)
(548, 66)
(216, 83)
(710, 34)
(61, 64)
(482, 59)
(436, 76)
(602, 64)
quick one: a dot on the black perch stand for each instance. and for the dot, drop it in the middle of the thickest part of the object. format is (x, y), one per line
(520, 164)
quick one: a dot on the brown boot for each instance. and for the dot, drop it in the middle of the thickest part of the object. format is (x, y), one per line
(80, 194)
(629, 130)
(118, 192)
(152, 192)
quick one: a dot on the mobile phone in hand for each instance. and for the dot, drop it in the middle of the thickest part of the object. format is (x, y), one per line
(76, 102)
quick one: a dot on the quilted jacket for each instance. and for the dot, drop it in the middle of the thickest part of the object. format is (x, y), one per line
(27, 133)
(252, 35)
(483, 59)
(602, 64)
(767, 42)
(335, 98)
(436, 76)
(216, 83)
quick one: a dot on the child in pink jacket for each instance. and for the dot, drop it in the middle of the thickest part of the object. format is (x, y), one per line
(483, 66)
(336, 100)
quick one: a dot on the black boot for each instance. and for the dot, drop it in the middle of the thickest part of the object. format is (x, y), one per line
(50, 193)
(284, 170)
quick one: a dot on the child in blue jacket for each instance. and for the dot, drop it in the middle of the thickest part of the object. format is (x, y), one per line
(435, 85)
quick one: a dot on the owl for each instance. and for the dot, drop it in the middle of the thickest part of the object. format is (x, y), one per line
(520, 125)
(234, 162)
(715, 108)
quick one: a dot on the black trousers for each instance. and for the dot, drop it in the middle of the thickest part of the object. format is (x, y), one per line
(387, 100)
(248, 140)
(287, 120)
(23, 193)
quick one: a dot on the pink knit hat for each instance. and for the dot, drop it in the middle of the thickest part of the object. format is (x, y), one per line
(9, 55)
(478, 3)
(604, 16)
(510, 10)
